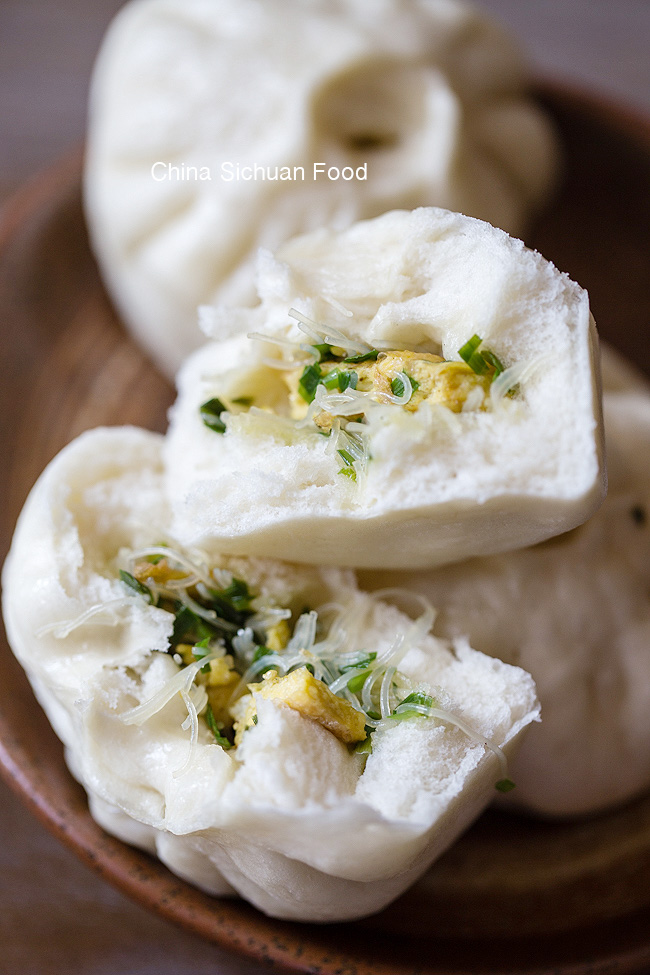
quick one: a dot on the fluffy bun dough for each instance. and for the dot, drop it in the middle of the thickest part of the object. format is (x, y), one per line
(575, 612)
(291, 819)
(440, 486)
(430, 95)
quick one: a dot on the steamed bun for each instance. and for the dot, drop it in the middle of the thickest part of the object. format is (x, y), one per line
(265, 452)
(426, 97)
(294, 819)
(575, 612)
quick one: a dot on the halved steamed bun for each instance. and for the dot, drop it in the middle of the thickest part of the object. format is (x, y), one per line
(318, 791)
(575, 612)
(207, 118)
(415, 390)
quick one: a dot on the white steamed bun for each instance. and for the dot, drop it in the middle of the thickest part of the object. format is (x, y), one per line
(575, 612)
(291, 818)
(430, 94)
(428, 486)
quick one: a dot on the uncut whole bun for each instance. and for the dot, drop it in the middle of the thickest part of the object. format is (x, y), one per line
(304, 804)
(428, 95)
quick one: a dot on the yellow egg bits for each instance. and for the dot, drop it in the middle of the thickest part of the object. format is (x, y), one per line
(413, 377)
(232, 646)
(344, 388)
(302, 692)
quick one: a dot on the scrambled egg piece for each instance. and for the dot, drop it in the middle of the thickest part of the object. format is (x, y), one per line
(439, 381)
(160, 572)
(220, 681)
(277, 636)
(447, 383)
(312, 698)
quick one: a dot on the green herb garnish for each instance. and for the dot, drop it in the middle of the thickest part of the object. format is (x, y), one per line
(398, 385)
(211, 415)
(261, 652)
(483, 362)
(311, 376)
(243, 400)
(415, 698)
(237, 593)
(201, 650)
(355, 684)
(470, 347)
(363, 747)
(493, 360)
(363, 356)
(340, 379)
(418, 697)
(211, 722)
(349, 470)
(364, 662)
(504, 785)
(136, 586)
(347, 457)
(232, 603)
(348, 380)
(190, 628)
(324, 351)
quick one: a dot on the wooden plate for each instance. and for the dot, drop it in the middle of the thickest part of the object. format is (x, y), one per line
(513, 895)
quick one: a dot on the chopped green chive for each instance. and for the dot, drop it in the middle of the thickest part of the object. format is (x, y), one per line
(355, 684)
(190, 628)
(347, 457)
(349, 470)
(483, 362)
(200, 650)
(348, 380)
(364, 662)
(363, 356)
(135, 585)
(211, 722)
(243, 400)
(363, 747)
(504, 785)
(494, 361)
(211, 415)
(324, 351)
(415, 698)
(237, 593)
(261, 652)
(470, 347)
(418, 697)
(397, 386)
(308, 382)
(340, 379)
